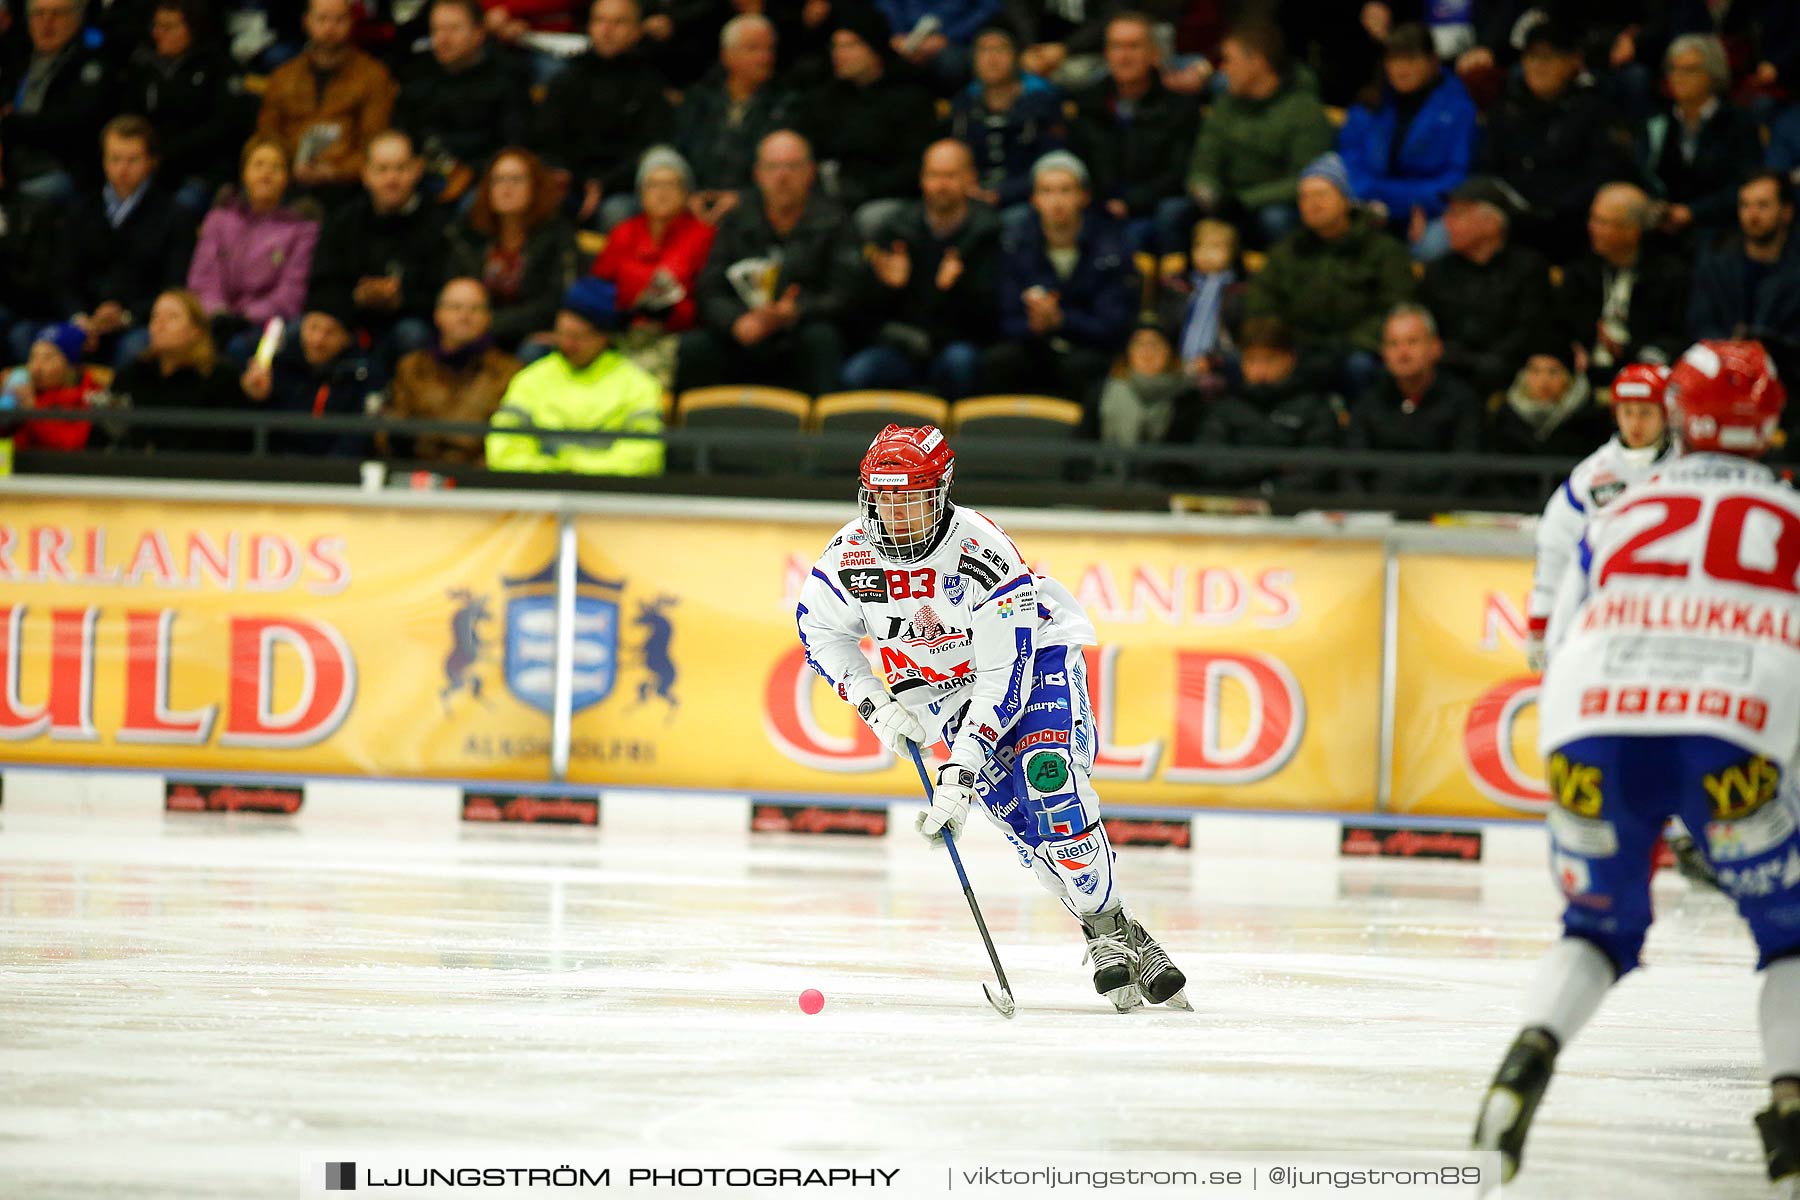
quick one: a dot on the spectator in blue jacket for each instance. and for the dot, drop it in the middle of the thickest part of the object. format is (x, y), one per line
(944, 51)
(1411, 150)
(1008, 120)
(1068, 292)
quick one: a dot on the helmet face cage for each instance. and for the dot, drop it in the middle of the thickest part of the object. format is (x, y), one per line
(918, 518)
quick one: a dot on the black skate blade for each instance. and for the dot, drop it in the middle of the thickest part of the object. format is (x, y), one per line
(1003, 1003)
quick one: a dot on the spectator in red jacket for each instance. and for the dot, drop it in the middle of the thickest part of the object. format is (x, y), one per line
(654, 260)
(53, 379)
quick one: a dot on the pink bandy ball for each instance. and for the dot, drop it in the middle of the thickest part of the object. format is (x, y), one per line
(811, 1001)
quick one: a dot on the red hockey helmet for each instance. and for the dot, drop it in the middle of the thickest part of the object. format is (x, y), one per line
(905, 492)
(1640, 382)
(1725, 396)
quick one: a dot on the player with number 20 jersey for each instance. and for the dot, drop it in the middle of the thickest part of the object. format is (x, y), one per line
(1676, 693)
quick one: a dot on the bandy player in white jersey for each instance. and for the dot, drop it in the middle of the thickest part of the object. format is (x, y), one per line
(1676, 692)
(1640, 446)
(977, 649)
(1641, 443)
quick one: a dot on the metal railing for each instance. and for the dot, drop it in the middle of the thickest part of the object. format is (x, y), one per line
(724, 461)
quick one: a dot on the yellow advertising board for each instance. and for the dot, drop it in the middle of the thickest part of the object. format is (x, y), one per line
(244, 637)
(1230, 673)
(1465, 704)
(315, 639)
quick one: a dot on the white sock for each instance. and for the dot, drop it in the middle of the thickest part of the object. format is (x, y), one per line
(1779, 1013)
(1571, 981)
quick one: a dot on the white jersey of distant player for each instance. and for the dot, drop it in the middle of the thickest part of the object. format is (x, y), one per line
(1691, 616)
(1590, 487)
(960, 625)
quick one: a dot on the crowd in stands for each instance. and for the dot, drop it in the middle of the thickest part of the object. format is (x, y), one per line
(1257, 223)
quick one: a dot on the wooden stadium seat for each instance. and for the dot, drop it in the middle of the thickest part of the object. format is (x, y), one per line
(987, 428)
(745, 407)
(866, 414)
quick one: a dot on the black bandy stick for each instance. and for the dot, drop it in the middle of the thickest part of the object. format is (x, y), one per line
(1003, 1003)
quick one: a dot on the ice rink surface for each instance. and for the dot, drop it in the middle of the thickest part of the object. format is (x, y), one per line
(199, 1005)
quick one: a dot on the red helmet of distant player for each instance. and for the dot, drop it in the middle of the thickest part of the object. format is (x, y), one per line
(1725, 397)
(1639, 381)
(1636, 397)
(905, 492)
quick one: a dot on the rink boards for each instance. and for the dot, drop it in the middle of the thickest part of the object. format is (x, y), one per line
(236, 632)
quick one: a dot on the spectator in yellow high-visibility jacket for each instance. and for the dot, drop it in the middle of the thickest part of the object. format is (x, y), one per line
(586, 385)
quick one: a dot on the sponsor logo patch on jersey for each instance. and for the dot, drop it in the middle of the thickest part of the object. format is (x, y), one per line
(1734, 841)
(978, 571)
(1606, 490)
(870, 587)
(1047, 772)
(928, 630)
(1076, 856)
(857, 558)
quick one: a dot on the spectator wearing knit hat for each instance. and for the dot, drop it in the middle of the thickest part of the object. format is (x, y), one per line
(1549, 410)
(1068, 292)
(870, 124)
(601, 112)
(317, 374)
(1335, 280)
(53, 378)
(586, 385)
